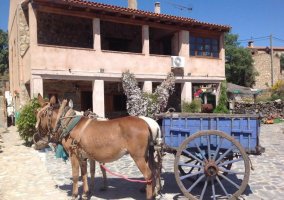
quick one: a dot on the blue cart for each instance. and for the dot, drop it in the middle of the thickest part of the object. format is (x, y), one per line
(211, 152)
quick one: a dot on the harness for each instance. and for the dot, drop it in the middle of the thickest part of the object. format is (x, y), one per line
(67, 121)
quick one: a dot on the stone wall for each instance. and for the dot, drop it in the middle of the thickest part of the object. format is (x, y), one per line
(24, 34)
(3, 112)
(64, 30)
(4, 85)
(63, 90)
(266, 109)
(262, 64)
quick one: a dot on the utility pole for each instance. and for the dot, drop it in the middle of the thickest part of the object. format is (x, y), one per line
(271, 56)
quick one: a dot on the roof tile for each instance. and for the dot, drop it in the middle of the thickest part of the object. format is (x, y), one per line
(141, 12)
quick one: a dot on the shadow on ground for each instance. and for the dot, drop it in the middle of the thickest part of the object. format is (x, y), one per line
(119, 188)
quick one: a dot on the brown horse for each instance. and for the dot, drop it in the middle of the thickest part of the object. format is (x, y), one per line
(45, 128)
(103, 141)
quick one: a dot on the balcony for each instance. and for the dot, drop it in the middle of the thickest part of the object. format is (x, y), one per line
(57, 58)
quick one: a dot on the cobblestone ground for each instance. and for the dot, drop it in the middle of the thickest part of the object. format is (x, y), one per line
(22, 173)
(29, 174)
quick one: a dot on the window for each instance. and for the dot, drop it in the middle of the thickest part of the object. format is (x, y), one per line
(160, 41)
(121, 37)
(62, 30)
(203, 46)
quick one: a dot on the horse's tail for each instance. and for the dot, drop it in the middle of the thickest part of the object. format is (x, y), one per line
(155, 151)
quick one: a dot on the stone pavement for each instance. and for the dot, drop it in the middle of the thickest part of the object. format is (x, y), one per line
(29, 174)
(22, 173)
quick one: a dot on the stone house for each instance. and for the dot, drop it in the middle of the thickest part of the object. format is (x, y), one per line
(262, 63)
(78, 49)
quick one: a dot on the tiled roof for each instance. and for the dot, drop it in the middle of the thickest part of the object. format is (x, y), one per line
(141, 13)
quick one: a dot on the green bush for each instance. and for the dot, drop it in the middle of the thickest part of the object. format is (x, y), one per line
(192, 107)
(27, 120)
(277, 91)
(223, 100)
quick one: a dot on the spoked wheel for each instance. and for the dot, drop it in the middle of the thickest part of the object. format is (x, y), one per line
(187, 170)
(211, 165)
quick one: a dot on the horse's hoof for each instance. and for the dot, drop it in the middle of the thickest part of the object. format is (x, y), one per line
(158, 197)
(85, 197)
(75, 198)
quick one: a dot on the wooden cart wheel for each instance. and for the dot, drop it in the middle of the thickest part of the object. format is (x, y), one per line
(190, 169)
(219, 170)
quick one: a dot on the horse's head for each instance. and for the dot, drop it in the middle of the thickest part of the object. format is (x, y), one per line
(49, 118)
(46, 117)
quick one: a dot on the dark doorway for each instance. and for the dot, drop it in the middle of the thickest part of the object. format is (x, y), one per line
(119, 102)
(175, 99)
(86, 101)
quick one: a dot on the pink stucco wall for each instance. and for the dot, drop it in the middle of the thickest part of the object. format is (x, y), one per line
(72, 63)
(62, 58)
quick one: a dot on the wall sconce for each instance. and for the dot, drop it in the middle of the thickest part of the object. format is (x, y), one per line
(102, 70)
(189, 74)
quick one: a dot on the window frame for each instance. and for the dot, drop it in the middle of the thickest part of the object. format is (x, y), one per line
(203, 46)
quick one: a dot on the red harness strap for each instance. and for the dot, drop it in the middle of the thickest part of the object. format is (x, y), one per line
(125, 177)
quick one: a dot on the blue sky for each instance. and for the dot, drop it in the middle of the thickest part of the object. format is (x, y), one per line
(248, 18)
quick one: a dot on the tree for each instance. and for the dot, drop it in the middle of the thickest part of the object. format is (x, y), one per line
(3, 52)
(239, 62)
(223, 100)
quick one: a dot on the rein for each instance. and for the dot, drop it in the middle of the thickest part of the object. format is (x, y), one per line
(125, 177)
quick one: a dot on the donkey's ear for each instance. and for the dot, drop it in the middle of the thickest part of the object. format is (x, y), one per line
(41, 100)
(70, 104)
(52, 100)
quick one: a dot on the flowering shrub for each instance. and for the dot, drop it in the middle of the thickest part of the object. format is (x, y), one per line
(278, 90)
(145, 104)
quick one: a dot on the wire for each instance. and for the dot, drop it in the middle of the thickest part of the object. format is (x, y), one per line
(255, 39)
(281, 40)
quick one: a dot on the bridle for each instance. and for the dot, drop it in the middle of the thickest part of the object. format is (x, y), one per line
(66, 120)
(46, 111)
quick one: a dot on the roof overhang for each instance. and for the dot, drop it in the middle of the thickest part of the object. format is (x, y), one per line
(89, 9)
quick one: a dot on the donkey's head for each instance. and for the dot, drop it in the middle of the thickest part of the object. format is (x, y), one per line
(46, 116)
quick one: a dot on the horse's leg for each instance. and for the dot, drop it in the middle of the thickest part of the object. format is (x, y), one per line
(92, 171)
(104, 178)
(75, 174)
(145, 169)
(158, 170)
(84, 174)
